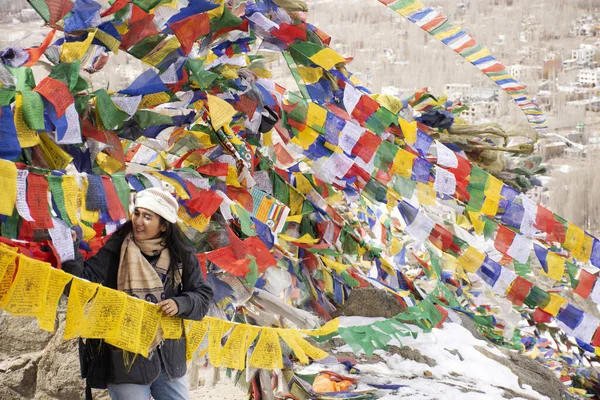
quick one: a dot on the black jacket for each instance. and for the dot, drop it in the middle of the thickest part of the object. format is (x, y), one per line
(103, 363)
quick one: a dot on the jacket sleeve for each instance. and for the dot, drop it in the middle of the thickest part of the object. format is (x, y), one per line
(196, 296)
(97, 267)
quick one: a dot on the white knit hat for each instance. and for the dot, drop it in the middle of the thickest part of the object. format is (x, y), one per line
(158, 201)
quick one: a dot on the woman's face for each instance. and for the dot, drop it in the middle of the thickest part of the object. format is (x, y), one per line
(146, 224)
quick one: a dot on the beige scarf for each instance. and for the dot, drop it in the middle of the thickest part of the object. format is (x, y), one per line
(137, 277)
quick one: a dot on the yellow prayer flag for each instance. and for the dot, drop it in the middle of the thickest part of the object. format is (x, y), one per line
(310, 75)
(306, 137)
(221, 112)
(492, 196)
(409, 129)
(267, 353)
(217, 12)
(290, 338)
(87, 215)
(316, 115)
(154, 99)
(194, 335)
(305, 239)
(302, 183)
(28, 291)
(478, 224)
(391, 103)
(217, 329)
(584, 252)
(104, 317)
(556, 266)
(233, 354)
(71, 195)
(426, 194)
(480, 54)
(110, 41)
(56, 157)
(8, 183)
(556, 302)
(130, 327)
(471, 260)
(403, 163)
(172, 327)
(325, 330)
(150, 323)
(157, 55)
(80, 294)
(410, 8)
(334, 265)
(232, 177)
(574, 238)
(27, 137)
(199, 222)
(8, 267)
(327, 58)
(73, 51)
(56, 285)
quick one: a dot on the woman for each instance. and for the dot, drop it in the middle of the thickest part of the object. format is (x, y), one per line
(148, 259)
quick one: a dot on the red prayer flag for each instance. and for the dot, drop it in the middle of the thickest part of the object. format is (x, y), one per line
(138, 31)
(206, 202)
(189, 29)
(116, 6)
(115, 207)
(37, 199)
(586, 284)
(58, 9)
(504, 238)
(366, 146)
(56, 93)
(540, 315)
(440, 237)
(365, 108)
(214, 169)
(289, 33)
(518, 291)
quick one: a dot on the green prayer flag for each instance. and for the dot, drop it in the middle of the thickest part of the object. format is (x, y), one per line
(58, 197)
(110, 114)
(146, 119)
(123, 190)
(146, 45)
(7, 96)
(197, 75)
(537, 298)
(10, 227)
(245, 220)
(146, 5)
(67, 73)
(227, 20)
(33, 110)
(24, 78)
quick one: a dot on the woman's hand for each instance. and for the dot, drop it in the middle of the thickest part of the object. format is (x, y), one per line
(169, 307)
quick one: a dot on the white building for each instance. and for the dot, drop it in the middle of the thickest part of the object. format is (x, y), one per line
(589, 77)
(468, 93)
(525, 72)
(585, 54)
(480, 112)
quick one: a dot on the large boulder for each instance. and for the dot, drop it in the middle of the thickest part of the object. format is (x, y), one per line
(58, 374)
(529, 372)
(19, 376)
(370, 302)
(20, 335)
